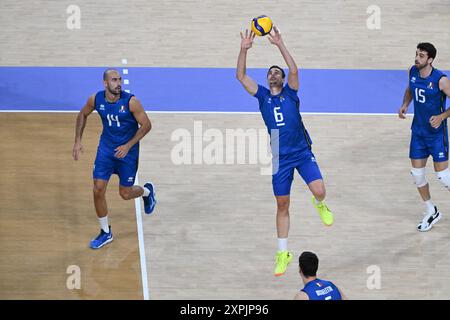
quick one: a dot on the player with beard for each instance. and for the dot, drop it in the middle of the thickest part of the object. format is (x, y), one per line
(124, 124)
(429, 88)
(290, 142)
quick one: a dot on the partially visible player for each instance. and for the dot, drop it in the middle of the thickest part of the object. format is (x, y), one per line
(124, 124)
(315, 288)
(429, 88)
(280, 109)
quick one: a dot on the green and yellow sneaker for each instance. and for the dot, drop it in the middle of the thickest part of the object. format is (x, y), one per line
(282, 259)
(324, 212)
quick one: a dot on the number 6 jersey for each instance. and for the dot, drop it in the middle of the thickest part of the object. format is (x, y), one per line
(282, 112)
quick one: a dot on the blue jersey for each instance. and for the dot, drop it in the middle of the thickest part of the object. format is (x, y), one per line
(428, 101)
(322, 290)
(282, 112)
(119, 124)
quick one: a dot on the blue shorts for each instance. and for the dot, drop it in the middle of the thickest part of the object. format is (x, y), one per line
(106, 164)
(304, 162)
(422, 147)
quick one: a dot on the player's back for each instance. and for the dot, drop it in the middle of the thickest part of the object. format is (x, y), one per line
(119, 124)
(428, 101)
(319, 289)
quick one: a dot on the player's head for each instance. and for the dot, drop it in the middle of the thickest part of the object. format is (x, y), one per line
(425, 55)
(275, 76)
(308, 264)
(112, 81)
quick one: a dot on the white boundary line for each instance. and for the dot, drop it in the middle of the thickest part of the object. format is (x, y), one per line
(140, 231)
(137, 203)
(218, 112)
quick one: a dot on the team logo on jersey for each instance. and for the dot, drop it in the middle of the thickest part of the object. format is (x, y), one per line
(102, 107)
(281, 98)
(122, 109)
(269, 101)
(413, 79)
(430, 86)
(441, 155)
(130, 179)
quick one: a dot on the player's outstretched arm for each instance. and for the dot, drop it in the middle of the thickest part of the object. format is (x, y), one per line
(81, 123)
(276, 39)
(144, 127)
(241, 71)
(444, 86)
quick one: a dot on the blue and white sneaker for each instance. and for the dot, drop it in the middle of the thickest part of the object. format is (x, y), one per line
(102, 239)
(150, 200)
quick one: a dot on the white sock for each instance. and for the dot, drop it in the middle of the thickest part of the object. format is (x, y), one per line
(146, 192)
(104, 224)
(282, 244)
(429, 206)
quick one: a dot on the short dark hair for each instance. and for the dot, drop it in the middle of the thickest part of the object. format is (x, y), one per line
(429, 48)
(105, 73)
(308, 263)
(277, 67)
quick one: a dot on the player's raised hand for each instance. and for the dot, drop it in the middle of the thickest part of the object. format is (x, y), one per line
(247, 39)
(402, 112)
(436, 121)
(121, 151)
(275, 36)
(77, 150)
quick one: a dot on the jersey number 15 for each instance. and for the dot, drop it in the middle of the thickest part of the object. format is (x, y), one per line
(420, 95)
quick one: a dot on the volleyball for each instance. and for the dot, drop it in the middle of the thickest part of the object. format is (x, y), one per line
(261, 25)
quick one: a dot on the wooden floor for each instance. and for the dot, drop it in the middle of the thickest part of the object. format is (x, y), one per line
(47, 215)
(213, 233)
(205, 33)
(217, 222)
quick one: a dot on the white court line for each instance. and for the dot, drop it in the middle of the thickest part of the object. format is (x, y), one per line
(217, 112)
(140, 230)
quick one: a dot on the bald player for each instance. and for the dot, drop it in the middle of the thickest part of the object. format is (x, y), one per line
(125, 123)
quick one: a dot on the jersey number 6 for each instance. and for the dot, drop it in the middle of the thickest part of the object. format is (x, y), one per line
(278, 115)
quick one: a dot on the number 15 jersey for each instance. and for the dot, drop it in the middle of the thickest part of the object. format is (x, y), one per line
(282, 112)
(428, 101)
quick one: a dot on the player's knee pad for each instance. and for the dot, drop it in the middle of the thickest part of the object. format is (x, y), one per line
(444, 177)
(418, 175)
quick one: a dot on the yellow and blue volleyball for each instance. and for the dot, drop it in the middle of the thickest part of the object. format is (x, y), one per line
(261, 25)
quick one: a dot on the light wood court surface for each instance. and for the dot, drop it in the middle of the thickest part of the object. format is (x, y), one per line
(47, 215)
(205, 33)
(213, 233)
